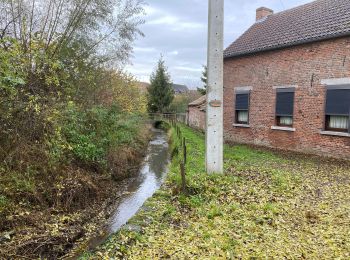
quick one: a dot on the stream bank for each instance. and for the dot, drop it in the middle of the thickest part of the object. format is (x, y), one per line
(82, 200)
(136, 190)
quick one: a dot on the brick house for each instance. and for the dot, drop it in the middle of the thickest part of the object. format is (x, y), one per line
(287, 80)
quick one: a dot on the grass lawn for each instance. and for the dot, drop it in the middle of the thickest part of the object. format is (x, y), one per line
(267, 205)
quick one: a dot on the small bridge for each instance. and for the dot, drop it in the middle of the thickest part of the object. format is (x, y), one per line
(156, 118)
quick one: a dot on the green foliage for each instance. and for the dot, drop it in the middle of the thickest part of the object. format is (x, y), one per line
(87, 135)
(29, 88)
(181, 101)
(11, 75)
(22, 182)
(160, 92)
(66, 113)
(3, 203)
(204, 80)
(36, 91)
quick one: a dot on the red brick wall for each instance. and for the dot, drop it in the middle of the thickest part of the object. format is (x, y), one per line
(196, 118)
(304, 66)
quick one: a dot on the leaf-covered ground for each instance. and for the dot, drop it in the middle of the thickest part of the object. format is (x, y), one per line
(267, 205)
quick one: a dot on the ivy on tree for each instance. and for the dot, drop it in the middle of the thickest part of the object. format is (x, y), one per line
(160, 93)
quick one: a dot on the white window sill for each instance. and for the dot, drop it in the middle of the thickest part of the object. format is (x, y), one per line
(241, 125)
(332, 133)
(281, 128)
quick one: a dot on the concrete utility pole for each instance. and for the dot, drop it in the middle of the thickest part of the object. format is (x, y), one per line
(214, 113)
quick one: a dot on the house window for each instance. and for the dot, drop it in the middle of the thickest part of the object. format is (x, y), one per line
(338, 109)
(242, 107)
(285, 107)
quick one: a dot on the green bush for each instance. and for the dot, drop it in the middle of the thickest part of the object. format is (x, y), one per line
(87, 135)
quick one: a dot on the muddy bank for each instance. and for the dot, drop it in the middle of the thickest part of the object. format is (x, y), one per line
(84, 202)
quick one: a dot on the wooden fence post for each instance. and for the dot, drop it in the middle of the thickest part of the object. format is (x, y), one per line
(183, 178)
(185, 151)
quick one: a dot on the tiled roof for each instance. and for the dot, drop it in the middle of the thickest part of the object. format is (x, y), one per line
(318, 20)
(180, 88)
(198, 102)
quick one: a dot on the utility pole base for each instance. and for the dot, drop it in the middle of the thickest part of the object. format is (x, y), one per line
(214, 113)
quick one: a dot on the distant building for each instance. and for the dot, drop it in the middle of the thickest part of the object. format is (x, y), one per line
(179, 89)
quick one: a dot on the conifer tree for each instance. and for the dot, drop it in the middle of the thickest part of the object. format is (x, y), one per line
(160, 93)
(204, 79)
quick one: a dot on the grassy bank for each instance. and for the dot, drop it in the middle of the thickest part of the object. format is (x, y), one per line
(267, 205)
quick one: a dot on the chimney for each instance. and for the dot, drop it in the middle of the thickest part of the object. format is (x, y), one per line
(263, 12)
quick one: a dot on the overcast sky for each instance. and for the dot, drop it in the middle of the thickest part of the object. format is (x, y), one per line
(178, 30)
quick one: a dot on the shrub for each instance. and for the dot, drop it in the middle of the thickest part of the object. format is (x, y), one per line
(87, 135)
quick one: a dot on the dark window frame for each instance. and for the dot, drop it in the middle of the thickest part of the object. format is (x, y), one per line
(327, 115)
(242, 92)
(278, 121)
(241, 122)
(277, 115)
(332, 129)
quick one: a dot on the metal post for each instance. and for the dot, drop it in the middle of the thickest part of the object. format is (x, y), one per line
(214, 112)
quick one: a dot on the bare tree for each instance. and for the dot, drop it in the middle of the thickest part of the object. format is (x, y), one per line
(106, 27)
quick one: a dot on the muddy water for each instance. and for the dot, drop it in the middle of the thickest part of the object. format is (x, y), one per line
(150, 178)
(139, 189)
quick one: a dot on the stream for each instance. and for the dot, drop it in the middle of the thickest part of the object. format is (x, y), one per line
(139, 188)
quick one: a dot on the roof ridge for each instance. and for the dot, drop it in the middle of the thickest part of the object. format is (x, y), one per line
(296, 7)
(309, 22)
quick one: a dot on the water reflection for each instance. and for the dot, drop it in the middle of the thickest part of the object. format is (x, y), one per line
(150, 178)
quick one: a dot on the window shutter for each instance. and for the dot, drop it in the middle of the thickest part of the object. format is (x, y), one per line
(285, 102)
(242, 101)
(338, 102)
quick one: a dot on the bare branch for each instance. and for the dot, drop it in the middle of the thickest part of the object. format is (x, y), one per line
(56, 21)
(14, 17)
(3, 32)
(74, 26)
(31, 25)
(46, 20)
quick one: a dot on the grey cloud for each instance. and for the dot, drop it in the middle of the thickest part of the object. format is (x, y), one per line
(178, 30)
